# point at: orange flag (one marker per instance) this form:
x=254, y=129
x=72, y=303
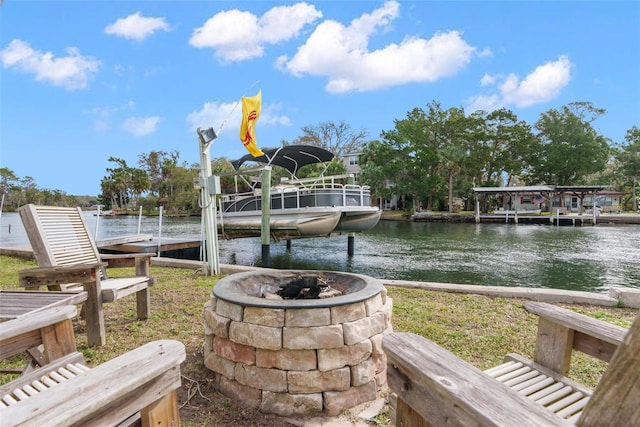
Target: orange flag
x=250, y=115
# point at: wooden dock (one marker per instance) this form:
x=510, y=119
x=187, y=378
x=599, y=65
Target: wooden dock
x=562, y=220
x=167, y=247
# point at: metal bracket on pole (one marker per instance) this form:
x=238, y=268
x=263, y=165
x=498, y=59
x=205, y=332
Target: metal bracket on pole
x=208, y=197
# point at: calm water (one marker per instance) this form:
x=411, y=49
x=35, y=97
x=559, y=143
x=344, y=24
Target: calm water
x=581, y=258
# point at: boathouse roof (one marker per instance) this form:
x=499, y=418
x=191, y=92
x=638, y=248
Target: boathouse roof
x=542, y=189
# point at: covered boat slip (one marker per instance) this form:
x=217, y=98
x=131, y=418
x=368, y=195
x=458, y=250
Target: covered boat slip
x=527, y=202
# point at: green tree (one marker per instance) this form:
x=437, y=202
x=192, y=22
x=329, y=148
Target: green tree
x=158, y=165
x=629, y=159
x=406, y=160
x=140, y=183
x=568, y=147
x=8, y=187
x=504, y=145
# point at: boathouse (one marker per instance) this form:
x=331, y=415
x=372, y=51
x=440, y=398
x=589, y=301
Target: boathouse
x=546, y=198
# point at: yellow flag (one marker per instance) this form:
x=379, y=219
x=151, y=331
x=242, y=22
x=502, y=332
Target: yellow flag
x=250, y=115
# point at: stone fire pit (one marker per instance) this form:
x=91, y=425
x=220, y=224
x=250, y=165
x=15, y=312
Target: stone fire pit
x=297, y=356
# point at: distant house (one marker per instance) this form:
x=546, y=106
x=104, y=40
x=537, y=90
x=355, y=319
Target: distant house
x=352, y=163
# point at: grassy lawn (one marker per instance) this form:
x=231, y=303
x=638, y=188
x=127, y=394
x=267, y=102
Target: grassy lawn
x=478, y=329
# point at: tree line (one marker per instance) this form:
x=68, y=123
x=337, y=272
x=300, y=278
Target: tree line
x=433, y=155
x=430, y=158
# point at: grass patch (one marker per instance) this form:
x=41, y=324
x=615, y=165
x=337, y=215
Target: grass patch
x=479, y=329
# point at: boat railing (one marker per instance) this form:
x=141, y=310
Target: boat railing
x=293, y=197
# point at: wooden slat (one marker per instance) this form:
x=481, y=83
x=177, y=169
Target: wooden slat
x=25, y=380
x=109, y=392
x=521, y=375
x=17, y=303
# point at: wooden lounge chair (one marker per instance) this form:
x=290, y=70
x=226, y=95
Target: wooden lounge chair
x=68, y=259
x=435, y=387
x=138, y=387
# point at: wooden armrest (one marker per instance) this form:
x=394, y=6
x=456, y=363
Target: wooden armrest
x=44, y=276
x=51, y=327
x=40, y=319
x=107, y=393
x=599, y=329
x=560, y=331
x=445, y=390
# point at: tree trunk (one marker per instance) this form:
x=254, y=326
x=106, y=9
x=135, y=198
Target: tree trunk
x=450, y=190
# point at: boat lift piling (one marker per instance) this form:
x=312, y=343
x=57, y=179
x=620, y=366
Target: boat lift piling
x=351, y=237
x=265, y=229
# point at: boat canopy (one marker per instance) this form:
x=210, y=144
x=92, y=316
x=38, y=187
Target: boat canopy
x=290, y=157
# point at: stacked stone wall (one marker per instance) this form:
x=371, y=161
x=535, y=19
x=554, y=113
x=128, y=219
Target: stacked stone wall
x=298, y=361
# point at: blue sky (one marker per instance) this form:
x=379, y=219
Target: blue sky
x=82, y=81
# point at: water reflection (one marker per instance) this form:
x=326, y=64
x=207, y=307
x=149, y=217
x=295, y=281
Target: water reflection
x=581, y=258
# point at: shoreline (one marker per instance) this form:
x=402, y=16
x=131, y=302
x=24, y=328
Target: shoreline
x=616, y=296
x=469, y=217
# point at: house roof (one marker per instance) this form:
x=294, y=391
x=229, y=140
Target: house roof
x=290, y=157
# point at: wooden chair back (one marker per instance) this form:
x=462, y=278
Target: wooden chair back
x=59, y=236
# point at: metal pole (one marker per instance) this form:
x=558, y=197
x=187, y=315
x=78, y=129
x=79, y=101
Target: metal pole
x=160, y=231
x=139, y=219
x=208, y=204
x=477, y=210
x=265, y=229
x=351, y=238
x=95, y=231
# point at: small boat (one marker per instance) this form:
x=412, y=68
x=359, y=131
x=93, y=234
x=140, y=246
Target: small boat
x=308, y=207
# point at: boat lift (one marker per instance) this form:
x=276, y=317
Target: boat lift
x=209, y=188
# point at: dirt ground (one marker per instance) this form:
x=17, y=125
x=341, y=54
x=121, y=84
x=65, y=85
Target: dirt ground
x=202, y=405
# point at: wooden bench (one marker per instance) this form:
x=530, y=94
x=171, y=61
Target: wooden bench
x=68, y=260
x=435, y=387
x=137, y=387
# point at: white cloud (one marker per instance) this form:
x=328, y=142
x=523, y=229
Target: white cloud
x=141, y=126
x=214, y=114
x=341, y=54
x=70, y=72
x=488, y=80
x=485, y=53
x=235, y=35
x=543, y=84
x=136, y=27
